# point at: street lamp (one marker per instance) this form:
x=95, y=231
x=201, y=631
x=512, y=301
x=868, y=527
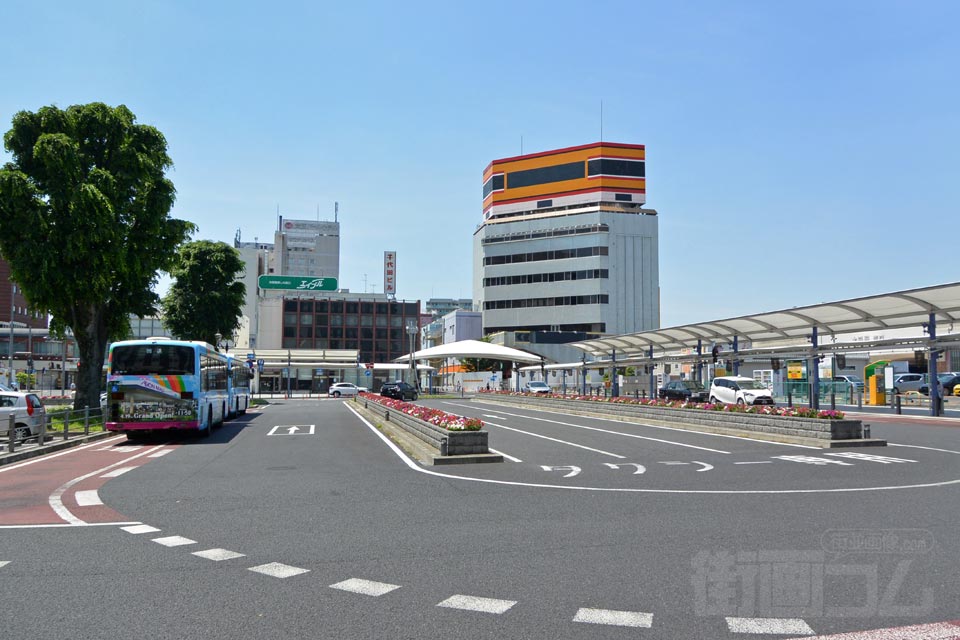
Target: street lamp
x=412, y=331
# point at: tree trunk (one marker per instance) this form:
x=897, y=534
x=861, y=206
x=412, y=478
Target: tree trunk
x=91, y=336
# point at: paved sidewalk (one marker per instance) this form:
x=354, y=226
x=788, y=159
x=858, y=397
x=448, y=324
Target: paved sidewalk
x=53, y=443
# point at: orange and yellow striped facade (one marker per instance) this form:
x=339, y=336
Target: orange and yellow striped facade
x=598, y=172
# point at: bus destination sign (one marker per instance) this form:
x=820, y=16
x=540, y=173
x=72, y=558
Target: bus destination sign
x=297, y=283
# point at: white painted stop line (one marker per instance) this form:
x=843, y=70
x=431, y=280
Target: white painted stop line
x=88, y=498
x=474, y=603
x=365, y=587
x=769, y=625
x=616, y=618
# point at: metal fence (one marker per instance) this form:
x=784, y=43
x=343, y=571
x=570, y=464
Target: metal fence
x=55, y=425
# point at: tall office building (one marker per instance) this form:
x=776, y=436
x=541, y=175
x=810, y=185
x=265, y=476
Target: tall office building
x=566, y=244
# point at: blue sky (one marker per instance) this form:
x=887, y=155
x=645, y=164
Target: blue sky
x=796, y=152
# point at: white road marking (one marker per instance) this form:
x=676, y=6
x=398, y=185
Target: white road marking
x=638, y=468
x=63, y=525
x=218, y=554
x=539, y=485
x=56, y=498
x=616, y=618
x=501, y=453
x=673, y=463
x=706, y=467
x=174, y=541
x=657, y=426
x=118, y=472
x=762, y=462
x=474, y=603
x=365, y=587
x=292, y=430
x=121, y=449
x=572, y=444
x=487, y=415
x=769, y=625
x=616, y=433
x=4, y=563
x=916, y=446
x=277, y=570
x=51, y=456
x=933, y=631
x=88, y=498
x=140, y=528
x=160, y=453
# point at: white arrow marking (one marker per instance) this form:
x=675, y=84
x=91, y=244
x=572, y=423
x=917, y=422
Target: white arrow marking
x=640, y=467
x=706, y=467
x=673, y=463
x=572, y=469
x=292, y=430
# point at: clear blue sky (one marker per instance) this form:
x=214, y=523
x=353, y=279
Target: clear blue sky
x=796, y=152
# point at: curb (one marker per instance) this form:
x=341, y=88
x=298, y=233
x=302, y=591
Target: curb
x=59, y=445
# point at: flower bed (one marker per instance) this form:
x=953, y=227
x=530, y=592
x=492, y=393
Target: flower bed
x=765, y=410
x=442, y=419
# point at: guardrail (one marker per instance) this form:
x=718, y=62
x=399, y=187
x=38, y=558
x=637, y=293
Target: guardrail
x=72, y=422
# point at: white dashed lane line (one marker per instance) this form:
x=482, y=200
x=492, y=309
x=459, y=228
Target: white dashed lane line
x=474, y=603
x=160, y=453
x=4, y=563
x=140, y=528
x=365, y=587
x=120, y=471
x=615, y=618
x=278, y=570
x=782, y=626
x=88, y=498
x=174, y=541
x=218, y=554
x=510, y=458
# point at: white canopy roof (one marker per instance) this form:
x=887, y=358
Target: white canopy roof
x=473, y=349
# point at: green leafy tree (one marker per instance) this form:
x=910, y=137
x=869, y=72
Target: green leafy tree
x=206, y=297
x=85, y=225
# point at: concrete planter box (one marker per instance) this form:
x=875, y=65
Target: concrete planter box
x=776, y=427
x=447, y=443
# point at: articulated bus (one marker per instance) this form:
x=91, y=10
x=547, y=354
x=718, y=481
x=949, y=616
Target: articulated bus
x=160, y=384
x=239, y=375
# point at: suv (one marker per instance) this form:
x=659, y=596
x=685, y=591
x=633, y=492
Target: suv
x=27, y=410
x=688, y=390
x=739, y=390
x=948, y=383
x=343, y=389
x=399, y=391
x=536, y=386
x=903, y=382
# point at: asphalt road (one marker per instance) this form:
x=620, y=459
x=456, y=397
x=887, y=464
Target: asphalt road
x=591, y=529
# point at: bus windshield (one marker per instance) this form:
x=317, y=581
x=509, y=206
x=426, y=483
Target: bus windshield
x=144, y=359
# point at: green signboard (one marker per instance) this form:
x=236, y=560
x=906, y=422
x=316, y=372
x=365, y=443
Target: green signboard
x=298, y=283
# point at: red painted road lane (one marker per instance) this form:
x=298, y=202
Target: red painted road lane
x=936, y=631
x=44, y=490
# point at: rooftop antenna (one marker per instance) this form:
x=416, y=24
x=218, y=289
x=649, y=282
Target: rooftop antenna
x=601, y=121
x=278, y=217
x=336, y=210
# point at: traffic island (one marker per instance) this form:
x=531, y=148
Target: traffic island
x=429, y=443
x=825, y=432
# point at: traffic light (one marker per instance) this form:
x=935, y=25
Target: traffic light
x=715, y=352
x=841, y=362
x=775, y=364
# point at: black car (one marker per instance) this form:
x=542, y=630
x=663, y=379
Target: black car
x=690, y=390
x=947, y=381
x=399, y=391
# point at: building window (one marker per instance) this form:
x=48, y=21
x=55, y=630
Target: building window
x=545, y=175
x=615, y=167
x=558, y=301
x=538, y=256
x=493, y=183
x=623, y=197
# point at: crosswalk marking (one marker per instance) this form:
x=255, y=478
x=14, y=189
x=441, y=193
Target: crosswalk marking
x=140, y=528
x=366, y=587
x=278, y=570
x=474, y=603
x=88, y=498
x=615, y=618
x=121, y=449
x=769, y=625
x=218, y=554
x=174, y=541
x=117, y=472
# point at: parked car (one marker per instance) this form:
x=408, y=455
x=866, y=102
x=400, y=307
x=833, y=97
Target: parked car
x=338, y=389
x=904, y=382
x=399, y=391
x=27, y=410
x=689, y=390
x=4, y=387
x=739, y=390
x=852, y=380
x=536, y=386
x=948, y=383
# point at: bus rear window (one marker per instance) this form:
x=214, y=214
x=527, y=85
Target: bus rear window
x=145, y=359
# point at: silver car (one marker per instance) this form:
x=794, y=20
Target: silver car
x=345, y=389
x=27, y=410
x=904, y=382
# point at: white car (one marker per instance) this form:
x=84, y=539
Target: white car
x=904, y=382
x=28, y=413
x=344, y=389
x=536, y=386
x=739, y=390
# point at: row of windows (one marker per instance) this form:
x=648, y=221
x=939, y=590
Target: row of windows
x=384, y=351
x=558, y=276
x=537, y=256
x=342, y=306
x=322, y=319
x=567, y=171
x=213, y=372
x=493, y=183
x=559, y=301
x=548, y=233
x=341, y=332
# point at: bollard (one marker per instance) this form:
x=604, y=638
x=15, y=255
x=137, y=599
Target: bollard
x=66, y=424
x=636, y=394
x=866, y=431
x=86, y=421
x=897, y=406
x=444, y=446
x=386, y=415
x=833, y=400
x=11, y=436
x=790, y=397
x=42, y=438
x=859, y=399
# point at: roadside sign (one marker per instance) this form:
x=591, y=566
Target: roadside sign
x=369, y=365
x=251, y=356
x=367, y=372
x=299, y=283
